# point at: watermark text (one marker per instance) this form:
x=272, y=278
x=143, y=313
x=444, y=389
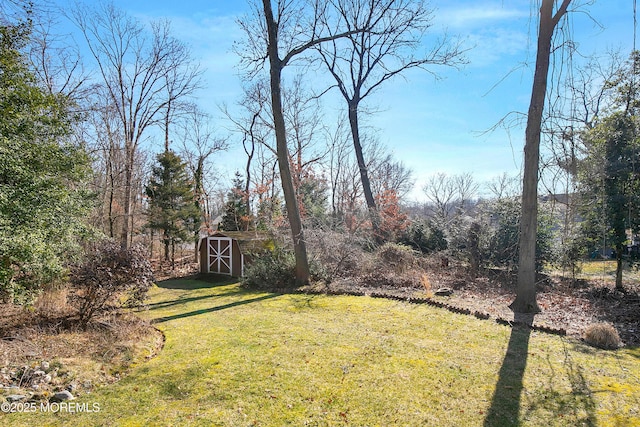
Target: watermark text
x=53, y=407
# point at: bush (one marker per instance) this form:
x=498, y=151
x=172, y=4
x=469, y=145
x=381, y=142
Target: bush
x=502, y=236
x=337, y=254
x=272, y=270
x=424, y=236
x=395, y=257
x=603, y=336
x=110, y=277
x=276, y=271
x=393, y=266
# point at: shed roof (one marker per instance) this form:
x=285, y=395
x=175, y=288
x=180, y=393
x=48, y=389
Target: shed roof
x=249, y=241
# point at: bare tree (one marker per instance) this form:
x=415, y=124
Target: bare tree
x=525, y=301
x=441, y=192
x=386, y=173
x=290, y=33
x=363, y=61
x=57, y=62
x=142, y=76
x=199, y=143
x=504, y=186
x=302, y=115
x=344, y=178
x=109, y=153
x=254, y=125
x=466, y=189
x=450, y=195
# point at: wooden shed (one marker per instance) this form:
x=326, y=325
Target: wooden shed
x=227, y=252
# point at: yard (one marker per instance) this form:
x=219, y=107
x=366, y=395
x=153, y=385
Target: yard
x=234, y=357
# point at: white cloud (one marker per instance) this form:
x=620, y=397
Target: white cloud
x=468, y=17
x=491, y=29
x=493, y=45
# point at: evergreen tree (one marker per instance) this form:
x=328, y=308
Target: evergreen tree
x=236, y=217
x=610, y=185
x=43, y=197
x=312, y=199
x=610, y=174
x=172, y=205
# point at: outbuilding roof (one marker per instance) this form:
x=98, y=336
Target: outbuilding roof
x=249, y=241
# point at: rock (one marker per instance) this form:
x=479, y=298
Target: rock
x=62, y=395
x=39, y=373
x=15, y=397
x=443, y=292
x=46, y=379
x=45, y=366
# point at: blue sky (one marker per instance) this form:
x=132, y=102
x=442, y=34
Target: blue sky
x=432, y=126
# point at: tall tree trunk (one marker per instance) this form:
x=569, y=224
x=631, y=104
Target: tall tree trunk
x=165, y=241
x=173, y=254
x=619, y=250
x=128, y=178
x=362, y=165
x=247, y=185
x=152, y=236
x=293, y=213
x=198, y=193
x=111, y=179
x=525, y=301
x=167, y=121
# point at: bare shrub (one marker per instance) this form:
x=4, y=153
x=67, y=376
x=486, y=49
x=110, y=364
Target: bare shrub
x=396, y=257
x=349, y=264
x=110, y=277
x=602, y=335
x=340, y=255
x=392, y=266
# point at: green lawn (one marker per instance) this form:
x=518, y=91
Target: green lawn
x=239, y=358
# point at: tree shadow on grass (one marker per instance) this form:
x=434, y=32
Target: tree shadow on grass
x=179, y=301
x=212, y=309
x=194, y=283
x=505, y=405
x=199, y=281
x=578, y=404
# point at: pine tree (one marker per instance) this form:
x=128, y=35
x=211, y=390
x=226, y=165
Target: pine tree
x=172, y=204
x=236, y=217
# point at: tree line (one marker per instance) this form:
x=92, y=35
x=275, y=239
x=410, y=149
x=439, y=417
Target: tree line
x=76, y=158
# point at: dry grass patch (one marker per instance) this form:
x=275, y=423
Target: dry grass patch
x=602, y=335
x=78, y=359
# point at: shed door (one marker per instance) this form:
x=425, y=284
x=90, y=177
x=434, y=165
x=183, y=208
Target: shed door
x=220, y=257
